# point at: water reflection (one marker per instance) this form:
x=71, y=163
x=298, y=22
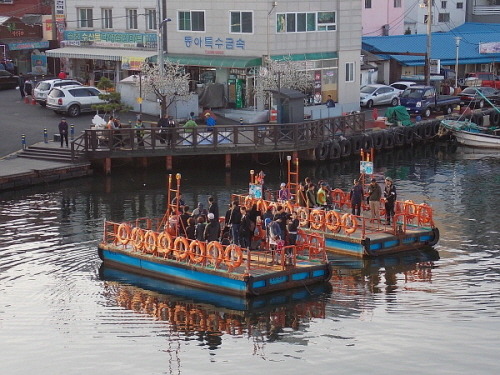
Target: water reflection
x=209, y=316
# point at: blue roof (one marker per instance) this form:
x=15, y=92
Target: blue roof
x=443, y=45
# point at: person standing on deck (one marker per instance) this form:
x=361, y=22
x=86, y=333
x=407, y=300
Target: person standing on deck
x=310, y=196
x=212, y=230
x=283, y=193
x=213, y=207
x=321, y=196
x=390, y=199
x=234, y=222
x=63, y=131
x=374, y=195
x=245, y=231
x=356, y=197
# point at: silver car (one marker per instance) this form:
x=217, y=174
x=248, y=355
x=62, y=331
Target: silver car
x=74, y=100
x=375, y=94
x=42, y=88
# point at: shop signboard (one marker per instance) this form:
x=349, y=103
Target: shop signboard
x=39, y=64
x=239, y=93
x=110, y=39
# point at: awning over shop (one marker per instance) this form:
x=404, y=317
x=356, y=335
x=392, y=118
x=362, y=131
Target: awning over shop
x=307, y=56
x=99, y=53
x=22, y=44
x=213, y=61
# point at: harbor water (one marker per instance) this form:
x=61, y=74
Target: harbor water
x=432, y=311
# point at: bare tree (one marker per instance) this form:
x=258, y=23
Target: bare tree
x=169, y=86
x=275, y=75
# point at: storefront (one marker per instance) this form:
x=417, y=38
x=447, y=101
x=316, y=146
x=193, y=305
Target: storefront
x=90, y=55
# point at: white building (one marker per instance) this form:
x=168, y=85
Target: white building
x=446, y=15
x=219, y=41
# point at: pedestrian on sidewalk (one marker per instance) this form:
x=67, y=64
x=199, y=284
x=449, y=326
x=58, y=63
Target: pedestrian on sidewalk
x=21, y=85
x=63, y=131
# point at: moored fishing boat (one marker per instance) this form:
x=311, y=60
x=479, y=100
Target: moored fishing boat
x=469, y=134
x=343, y=233
x=152, y=247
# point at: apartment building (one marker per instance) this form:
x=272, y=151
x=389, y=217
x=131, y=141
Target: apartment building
x=446, y=15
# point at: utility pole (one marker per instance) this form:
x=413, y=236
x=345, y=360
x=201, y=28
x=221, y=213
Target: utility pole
x=429, y=44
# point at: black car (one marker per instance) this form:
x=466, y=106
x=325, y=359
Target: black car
x=8, y=80
x=475, y=96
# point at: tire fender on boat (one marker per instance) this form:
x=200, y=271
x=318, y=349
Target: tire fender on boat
x=477, y=119
x=495, y=119
x=399, y=136
x=388, y=140
x=356, y=144
x=378, y=140
x=409, y=135
x=367, y=142
x=345, y=148
x=322, y=151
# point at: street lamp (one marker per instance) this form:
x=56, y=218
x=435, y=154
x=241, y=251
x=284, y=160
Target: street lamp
x=457, y=44
x=160, y=44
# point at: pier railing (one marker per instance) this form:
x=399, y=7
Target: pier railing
x=221, y=139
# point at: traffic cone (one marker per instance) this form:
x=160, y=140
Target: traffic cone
x=33, y=100
x=26, y=99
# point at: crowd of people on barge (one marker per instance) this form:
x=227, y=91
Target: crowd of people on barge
x=277, y=227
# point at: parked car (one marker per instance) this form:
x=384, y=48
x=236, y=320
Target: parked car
x=375, y=94
x=73, y=100
x=484, y=79
x=43, y=88
x=402, y=85
x=8, y=80
x=475, y=96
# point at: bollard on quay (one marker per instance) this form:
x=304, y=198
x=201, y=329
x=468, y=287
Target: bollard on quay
x=23, y=141
x=72, y=131
x=45, y=136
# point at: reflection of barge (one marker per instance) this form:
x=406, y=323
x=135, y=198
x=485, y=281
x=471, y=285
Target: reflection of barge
x=152, y=247
x=343, y=233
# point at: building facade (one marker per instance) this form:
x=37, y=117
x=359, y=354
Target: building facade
x=485, y=11
x=446, y=15
x=218, y=42
x=381, y=18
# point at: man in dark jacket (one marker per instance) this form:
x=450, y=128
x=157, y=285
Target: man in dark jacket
x=212, y=230
x=245, y=232
x=63, y=131
x=390, y=199
x=356, y=196
x=374, y=195
x=234, y=222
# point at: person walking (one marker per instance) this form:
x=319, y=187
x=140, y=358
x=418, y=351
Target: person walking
x=163, y=125
x=374, y=195
x=21, y=85
x=390, y=199
x=63, y=131
x=356, y=197
x=28, y=87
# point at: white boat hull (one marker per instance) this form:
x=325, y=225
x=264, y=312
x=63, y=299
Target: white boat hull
x=477, y=139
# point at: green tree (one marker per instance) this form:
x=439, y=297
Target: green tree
x=113, y=99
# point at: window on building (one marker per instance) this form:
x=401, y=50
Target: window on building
x=151, y=19
x=326, y=21
x=460, y=5
x=444, y=17
x=443, y=4
x=132, y=19
x=368, y=4
x=349, y=72
x=85, y=18
x=107, y=18
x=397, y=3
x=241, y=22
x=304, y=22
x=191, y=20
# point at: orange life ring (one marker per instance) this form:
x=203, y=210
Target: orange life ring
x=349, y=229
x=123, y=233
x=315, y=244
x=317, y=219
x=411, y=210
x=164, y=243
x=248, y=202
x=181, y=315
x=424, y=214
x=332, y=221
x=338, y=196
x=233, y=251
x=137, y=238
x=181, y=248
x=150, y=239
x=197, y=251
x=303, y=216
x=262, y=205
x=197, y=319
x=399, y=207
x=215, y=253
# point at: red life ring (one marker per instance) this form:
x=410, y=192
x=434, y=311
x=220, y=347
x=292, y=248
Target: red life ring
x=197, y=251
x=215, y=253
x=303, y=216
x=317, y=219
x=333, y=221
x=137, y=237
x=338, y=197
x=123, y=233
x=150, y=239
x=181, y=248
x=349, y=223
x=164, y=244
x=233, y=256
